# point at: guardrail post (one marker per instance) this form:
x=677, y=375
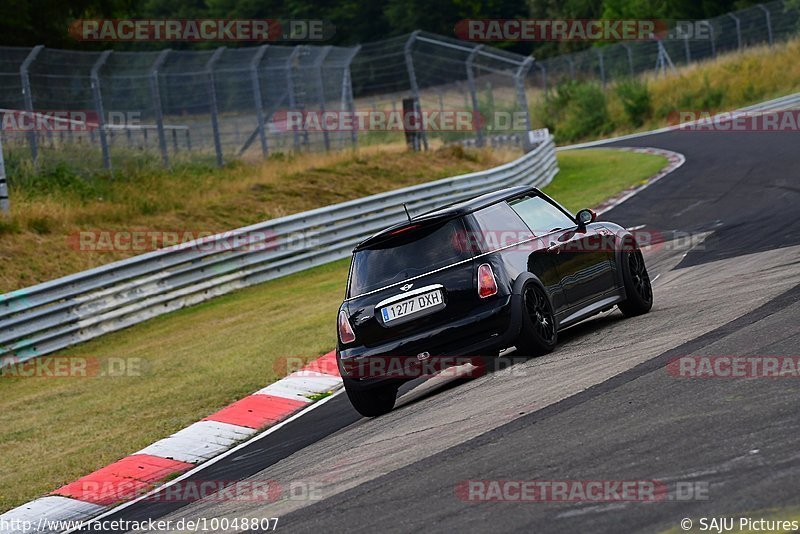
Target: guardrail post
x=155, y=93
x=259, y=103
x=769, y=21
x=412, y=80
x=476, y=119
x=347, y=94
x=321, y=88
x=98, y=107
x=290, y=89
x=28, y=97
x=602, y=65
x=212, y=93
x=522, y=98
x=738, y=30
x=4, y=201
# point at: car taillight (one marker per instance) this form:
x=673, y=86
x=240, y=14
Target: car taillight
x=487, y=285
x=346, y=334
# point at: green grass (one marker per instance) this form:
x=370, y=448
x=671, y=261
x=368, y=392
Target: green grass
x=588, y=177
x=202, y=358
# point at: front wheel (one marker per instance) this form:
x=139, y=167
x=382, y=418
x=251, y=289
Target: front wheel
x=371, y=401
x=539, y=334
x=638, y=291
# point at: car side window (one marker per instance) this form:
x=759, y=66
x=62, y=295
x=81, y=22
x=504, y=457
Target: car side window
x=541, y=216
x=498, y=226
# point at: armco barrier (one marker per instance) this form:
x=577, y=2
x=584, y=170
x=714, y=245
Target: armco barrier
x=53, y=315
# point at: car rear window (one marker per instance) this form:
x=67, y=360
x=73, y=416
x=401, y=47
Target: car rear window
x=407, y=254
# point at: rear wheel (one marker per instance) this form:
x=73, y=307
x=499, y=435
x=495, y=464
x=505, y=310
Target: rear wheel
x=638, y=291
x=538, y=335
x=372, y=401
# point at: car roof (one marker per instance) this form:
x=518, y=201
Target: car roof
x=449, y=211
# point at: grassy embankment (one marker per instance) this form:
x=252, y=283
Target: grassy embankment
x=50, y=206
x=582, y=111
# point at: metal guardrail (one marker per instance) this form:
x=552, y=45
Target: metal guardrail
x=53, y=315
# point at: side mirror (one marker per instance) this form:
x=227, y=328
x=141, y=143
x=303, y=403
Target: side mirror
x=585, y=217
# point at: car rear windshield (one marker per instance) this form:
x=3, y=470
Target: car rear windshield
x=408, y=253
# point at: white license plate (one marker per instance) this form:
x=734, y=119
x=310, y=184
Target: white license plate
x=426, y=302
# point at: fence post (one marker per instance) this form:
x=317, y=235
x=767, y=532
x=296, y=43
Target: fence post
x=543, y=70
x=738, y=30
x=97, y=96
x=412, y=80
x=28, y=97
x=4, y=202
x=474, y=95
x=522, y=98
x=663, y=60
x=571, y=67
x=290, y=89
x=259, y=103
x=212, y=93
x=321, y=88
x=155, y=92
x=769, y=21
x=629, y=53
x=602, y=65
x=713, y=41
x=347, y=94
x=686, y=48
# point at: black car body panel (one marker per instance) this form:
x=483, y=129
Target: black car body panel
x=577, y=265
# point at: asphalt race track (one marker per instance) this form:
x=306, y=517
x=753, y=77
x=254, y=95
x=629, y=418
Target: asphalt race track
x=601, y=407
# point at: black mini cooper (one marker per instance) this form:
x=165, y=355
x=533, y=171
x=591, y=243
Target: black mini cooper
x=509, y=268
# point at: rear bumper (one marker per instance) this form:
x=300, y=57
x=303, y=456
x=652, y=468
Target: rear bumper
x=455, y=343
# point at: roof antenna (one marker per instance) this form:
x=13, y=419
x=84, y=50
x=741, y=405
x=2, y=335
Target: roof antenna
x=407, y=214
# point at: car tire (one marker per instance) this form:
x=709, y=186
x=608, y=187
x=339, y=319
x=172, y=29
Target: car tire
x=371, y=401
x=638, y=290
x=538, y=334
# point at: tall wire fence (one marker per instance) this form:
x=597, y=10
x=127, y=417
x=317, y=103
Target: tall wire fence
x=758, y=25
x=94, y=110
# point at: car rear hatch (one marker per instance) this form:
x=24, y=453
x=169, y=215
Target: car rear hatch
x=412, y=279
